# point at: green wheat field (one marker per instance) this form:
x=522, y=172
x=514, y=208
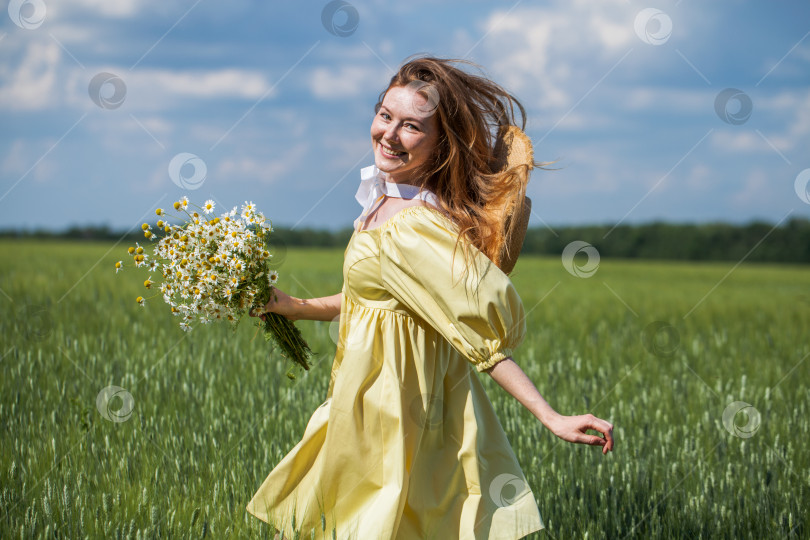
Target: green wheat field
x=703, y=369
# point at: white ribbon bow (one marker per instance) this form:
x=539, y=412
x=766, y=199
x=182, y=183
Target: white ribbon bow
x=374, y=188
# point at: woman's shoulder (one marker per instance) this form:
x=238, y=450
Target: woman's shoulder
x=425, y=233
x=421, y=231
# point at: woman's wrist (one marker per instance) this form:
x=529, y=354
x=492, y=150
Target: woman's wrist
x=512, y=379
x=297, y=309
x=548, y=417
x=541, y=410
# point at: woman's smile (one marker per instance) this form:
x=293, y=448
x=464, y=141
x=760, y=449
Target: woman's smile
x=390, y=152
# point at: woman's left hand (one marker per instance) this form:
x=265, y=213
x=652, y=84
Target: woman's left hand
x=573, y=428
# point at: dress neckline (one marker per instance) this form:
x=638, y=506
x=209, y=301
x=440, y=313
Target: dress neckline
x=402, y=212
x=375, y=186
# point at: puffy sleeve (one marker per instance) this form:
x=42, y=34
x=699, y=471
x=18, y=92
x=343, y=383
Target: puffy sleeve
x=478, y=310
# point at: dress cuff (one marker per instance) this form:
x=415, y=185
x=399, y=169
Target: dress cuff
x=503, y=354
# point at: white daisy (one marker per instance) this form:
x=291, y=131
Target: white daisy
x=247, y=210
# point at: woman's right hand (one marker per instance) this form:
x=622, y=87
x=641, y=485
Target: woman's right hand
x=281, y=303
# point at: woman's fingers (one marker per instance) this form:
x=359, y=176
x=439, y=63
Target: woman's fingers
x=573, y=429
x=603, y=427
x=281, y=303
x=272, y=305
x=608, y=433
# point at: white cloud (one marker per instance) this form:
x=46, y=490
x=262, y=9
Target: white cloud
x=346, y=150
x=699, y=178
x=346, y=81
x=157, y=126
x=15, y=163
x=535, y=51
x=795, y=107
x=94, y=8
x=25, y=158
x=267, y=171
x=221, y=83
x=41, y=81
x=786, y=116
x=32, y=85
x=151, y=90
x=119, y=8
x=738, y=141
x=668, y=100
x=759, y=189
x=584, y=170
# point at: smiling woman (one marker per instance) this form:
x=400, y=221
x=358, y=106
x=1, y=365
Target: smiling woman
x=407, y=444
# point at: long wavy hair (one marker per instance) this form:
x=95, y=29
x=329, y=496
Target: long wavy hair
x=465, y=173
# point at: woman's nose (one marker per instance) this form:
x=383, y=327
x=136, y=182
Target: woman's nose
x=392, y=133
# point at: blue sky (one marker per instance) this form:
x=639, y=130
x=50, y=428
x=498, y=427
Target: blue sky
x=277, y=106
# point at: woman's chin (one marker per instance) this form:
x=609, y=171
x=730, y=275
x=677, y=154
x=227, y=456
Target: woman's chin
x=388, y=165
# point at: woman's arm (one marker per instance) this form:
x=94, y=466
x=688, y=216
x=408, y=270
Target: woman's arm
x=569, y=428
x=312, y=309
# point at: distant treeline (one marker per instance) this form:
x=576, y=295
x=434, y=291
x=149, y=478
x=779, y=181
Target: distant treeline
x=758, y=241
x=761, y=242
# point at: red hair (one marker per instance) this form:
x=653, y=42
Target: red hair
x=465, y=173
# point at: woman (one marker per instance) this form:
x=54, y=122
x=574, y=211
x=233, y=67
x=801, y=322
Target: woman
x=407, y=444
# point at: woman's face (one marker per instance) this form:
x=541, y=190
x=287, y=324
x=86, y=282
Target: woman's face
x=404, y=133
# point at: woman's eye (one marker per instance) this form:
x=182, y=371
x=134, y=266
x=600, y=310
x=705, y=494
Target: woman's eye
x=411, y=126
x=384, y=116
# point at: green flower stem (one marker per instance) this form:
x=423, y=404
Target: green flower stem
x=288, y=337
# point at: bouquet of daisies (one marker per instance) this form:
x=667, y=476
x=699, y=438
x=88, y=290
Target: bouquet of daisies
x=216, y=268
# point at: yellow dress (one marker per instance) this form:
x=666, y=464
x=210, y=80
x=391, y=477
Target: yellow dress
x=407, y=444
